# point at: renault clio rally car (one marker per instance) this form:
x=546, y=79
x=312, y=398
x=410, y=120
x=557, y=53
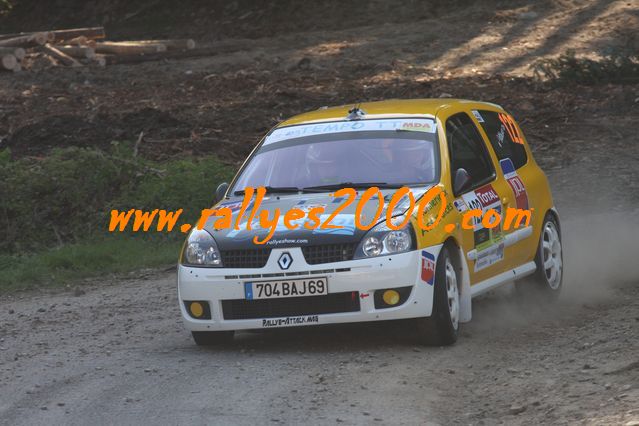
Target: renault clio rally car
x=474, y=151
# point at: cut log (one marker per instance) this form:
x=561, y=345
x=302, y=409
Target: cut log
x=18, y=67
x=128, y=48
x=77, y=41
x=14, y=35
x=99, y=60
x=218, y=48
x=18, y=52
x=35, y=39
x=176, y=44
x=81, y=41
x=8, y=62
x=94, y=33
x=60, y=56
x=77, y=51
x=49, y=35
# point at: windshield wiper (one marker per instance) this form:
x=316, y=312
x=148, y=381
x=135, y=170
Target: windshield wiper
x=274, y=189
x=355, y=185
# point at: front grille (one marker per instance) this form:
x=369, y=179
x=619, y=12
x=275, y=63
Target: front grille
x=253, y=258
x=328, y=253
x=291, y=306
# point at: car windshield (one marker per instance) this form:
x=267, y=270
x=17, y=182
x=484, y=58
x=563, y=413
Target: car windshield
x=388, y=157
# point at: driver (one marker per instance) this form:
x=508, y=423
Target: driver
x=322, y=165
x=410, y=160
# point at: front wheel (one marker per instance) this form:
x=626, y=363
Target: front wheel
x=211, y=338
x=547, y=281
x=442, y=326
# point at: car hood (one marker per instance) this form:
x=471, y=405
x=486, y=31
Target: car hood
x=229, y=239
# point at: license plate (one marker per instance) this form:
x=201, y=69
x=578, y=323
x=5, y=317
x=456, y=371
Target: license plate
x=286, y=288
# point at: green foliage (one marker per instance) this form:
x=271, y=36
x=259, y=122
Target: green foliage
x=109, y=254
x=5, y=7
x=67, y=197
x=617, y=66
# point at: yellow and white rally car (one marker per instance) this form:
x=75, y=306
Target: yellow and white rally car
x=474, y=151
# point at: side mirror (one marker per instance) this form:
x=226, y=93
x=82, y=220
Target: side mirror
x=462, y=181
x=221, y=191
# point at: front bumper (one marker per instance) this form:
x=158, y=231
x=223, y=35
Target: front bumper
x=363, y=276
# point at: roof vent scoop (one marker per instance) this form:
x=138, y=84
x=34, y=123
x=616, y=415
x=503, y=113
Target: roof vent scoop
x=356, y=114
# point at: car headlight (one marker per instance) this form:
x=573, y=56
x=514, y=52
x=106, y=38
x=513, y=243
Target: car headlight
x=381, y=240
x=201, y=250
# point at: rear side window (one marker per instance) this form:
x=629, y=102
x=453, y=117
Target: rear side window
x=504, y=136
x=467, y=150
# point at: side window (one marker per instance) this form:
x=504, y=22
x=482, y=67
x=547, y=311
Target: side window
x=467, y=150
x=504, y=136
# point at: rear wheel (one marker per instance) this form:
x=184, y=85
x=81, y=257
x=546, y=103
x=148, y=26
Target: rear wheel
x=212, y=338
x=547, y=281
x=442, y=326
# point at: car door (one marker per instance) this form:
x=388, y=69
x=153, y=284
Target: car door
x=483, y=247
x=507, y=143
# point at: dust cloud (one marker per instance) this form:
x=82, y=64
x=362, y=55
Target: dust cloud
x=601, y=252
x=600, y=255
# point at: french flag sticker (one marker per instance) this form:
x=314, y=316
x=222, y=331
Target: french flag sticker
x=428, y=267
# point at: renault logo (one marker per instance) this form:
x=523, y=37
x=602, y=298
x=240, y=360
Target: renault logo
x=285, y=260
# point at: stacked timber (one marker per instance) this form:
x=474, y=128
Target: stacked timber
x=78, y=47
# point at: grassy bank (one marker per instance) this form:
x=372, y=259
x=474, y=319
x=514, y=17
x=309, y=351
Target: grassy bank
x=72, y=262
x=55, y=211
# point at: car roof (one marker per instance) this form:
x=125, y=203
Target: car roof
x=384, y=109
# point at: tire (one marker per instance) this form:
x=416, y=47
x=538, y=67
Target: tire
x=212, y=338
x=546, y=283
x=441, y=328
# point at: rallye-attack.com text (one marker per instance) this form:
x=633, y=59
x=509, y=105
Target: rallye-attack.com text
x=310, y=219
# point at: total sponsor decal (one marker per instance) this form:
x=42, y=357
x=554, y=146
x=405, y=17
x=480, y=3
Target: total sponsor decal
x=489, y=243
x=428, y=267
x=515, y=182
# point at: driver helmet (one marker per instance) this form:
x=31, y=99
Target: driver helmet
x=321, y=161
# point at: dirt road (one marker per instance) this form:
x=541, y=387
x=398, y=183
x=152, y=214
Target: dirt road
x=115, y=352
x=118, y=354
